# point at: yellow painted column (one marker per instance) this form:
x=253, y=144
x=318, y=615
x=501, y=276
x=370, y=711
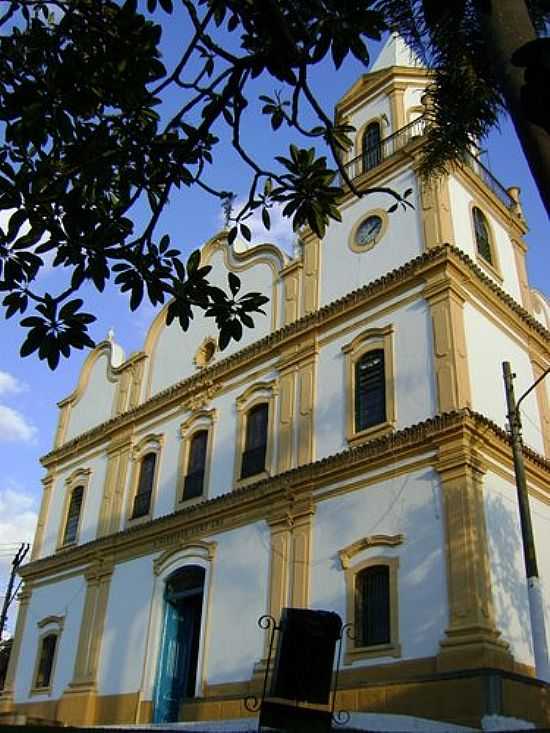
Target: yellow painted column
x=472, y=639
x=47, y=482
x=397, y=106
x=307, y=388
x=449, y=343
x=435, y=211
x=301, y=560
x=291, y=276
x=311, y=272
x=287, y=397
x=542, y=403
x=520, y=250
x=78, y=703
x=7, y=693
x=118, y=458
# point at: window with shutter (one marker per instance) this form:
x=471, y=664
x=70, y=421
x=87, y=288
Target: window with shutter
x=370, y=390
x=482, y=235
x=372, y=151
x=254, y=454
x=73, y=515
x=142, y=499
x=372, y=606
x=196, y=464
x=45, y=663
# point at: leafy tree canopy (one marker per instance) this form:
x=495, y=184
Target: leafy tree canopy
x=86, y=140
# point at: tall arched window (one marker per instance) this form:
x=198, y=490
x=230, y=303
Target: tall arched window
x=256, y=440
x=142, y=498
x=372, y=151
x=196, y=465
x=370, y=390
x=482, y=235
x=73, y=515
x=372, y=606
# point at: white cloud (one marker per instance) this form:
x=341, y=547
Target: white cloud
x=14, y=426
x=18, y=518
x=280, y=232
x=10, y=384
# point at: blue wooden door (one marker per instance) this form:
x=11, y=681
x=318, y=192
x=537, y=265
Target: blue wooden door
x=177, y=669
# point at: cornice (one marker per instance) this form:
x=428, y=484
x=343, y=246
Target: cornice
x=402, y=278
x=288, y=490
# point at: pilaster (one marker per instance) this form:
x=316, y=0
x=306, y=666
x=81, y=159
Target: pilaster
x=287, y=403
x=397, y=106
x=307, y=388
x=7, y=693
x=472, y=639
x=77, y=706
x=291, y=276
x=449, y=342
x=118, y=458
x=47, y=482
x=435, y=211
x=311, y=272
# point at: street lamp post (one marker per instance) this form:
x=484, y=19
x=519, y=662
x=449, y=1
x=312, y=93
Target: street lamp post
x=534, y=586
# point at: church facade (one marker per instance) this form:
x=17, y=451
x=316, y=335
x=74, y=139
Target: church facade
x=349, y=454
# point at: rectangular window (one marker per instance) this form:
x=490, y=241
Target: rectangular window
x=370, y=390
x=372, y=598
x=73, y=515
x=256, y=441
x=194, y=480
x=45, y=663
x=142, y=499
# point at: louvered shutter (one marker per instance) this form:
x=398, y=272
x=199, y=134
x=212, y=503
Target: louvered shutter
x=256, y=441
x=375, y=605
x=194, y=480
x=73, y=515
x=370, y=390
x=142, y=499
x=482, y=235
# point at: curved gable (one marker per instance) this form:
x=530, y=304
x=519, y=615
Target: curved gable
x=174, y=354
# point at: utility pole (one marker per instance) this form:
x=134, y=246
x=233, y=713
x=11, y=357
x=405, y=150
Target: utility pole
x=16, y=562
x=534, y=586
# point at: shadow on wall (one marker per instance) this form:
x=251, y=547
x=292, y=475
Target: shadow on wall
x=509, y=583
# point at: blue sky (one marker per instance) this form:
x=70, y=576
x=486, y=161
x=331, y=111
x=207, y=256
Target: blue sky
x=29, y=391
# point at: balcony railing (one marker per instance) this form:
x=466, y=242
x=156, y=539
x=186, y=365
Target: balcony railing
x=389, y=146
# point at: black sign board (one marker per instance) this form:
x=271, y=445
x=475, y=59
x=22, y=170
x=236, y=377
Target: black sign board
x=305, y=655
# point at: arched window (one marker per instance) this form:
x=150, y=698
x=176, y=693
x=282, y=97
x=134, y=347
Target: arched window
x=482, y=235
x=372, y=606
x=196, y=465
x=45, y=661
x=73, y=515
x=142, y=498
x=372, y=151
x=370, y=390
x=255, y=447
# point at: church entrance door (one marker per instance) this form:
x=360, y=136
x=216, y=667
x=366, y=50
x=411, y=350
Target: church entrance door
x=179, y=650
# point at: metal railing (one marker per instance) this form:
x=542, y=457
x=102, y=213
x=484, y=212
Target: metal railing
x=389, y=146
x=372, y=157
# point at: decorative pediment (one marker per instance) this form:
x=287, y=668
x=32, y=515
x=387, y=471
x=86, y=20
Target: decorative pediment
x=184, y=551
x=373, y=540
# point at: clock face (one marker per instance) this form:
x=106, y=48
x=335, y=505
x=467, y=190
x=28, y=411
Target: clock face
x=368, y=231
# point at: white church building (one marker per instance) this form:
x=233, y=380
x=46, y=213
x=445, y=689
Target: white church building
x=349, y=454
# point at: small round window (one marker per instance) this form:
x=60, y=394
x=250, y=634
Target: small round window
x=368, y=232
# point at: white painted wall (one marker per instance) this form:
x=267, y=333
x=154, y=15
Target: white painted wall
x=63, y=598
x=415, y=396
x=461, y=199
x=126, y=625
x=507, y=566
x=238, y=599
x=172, y=358
x=96, y=403
x=409, y=504
x=90, y=507
x=488, y=346
x=342, y=269
x=412, y=98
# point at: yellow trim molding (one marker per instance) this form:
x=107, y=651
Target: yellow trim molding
x=151, y=443
x=198, y=421
x=373, y=540
x=50, y=626
x=256, y=394
x=80, y=477
x=361, y=249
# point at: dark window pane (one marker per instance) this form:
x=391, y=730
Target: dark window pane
x=256, y=441
x=185, y=580
x=483, y=239
x=73, y=515
x=142, y=499
x=370, y=390
x=45, y=664
x=372, y=150
x=194, y=479
x=372, y=604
